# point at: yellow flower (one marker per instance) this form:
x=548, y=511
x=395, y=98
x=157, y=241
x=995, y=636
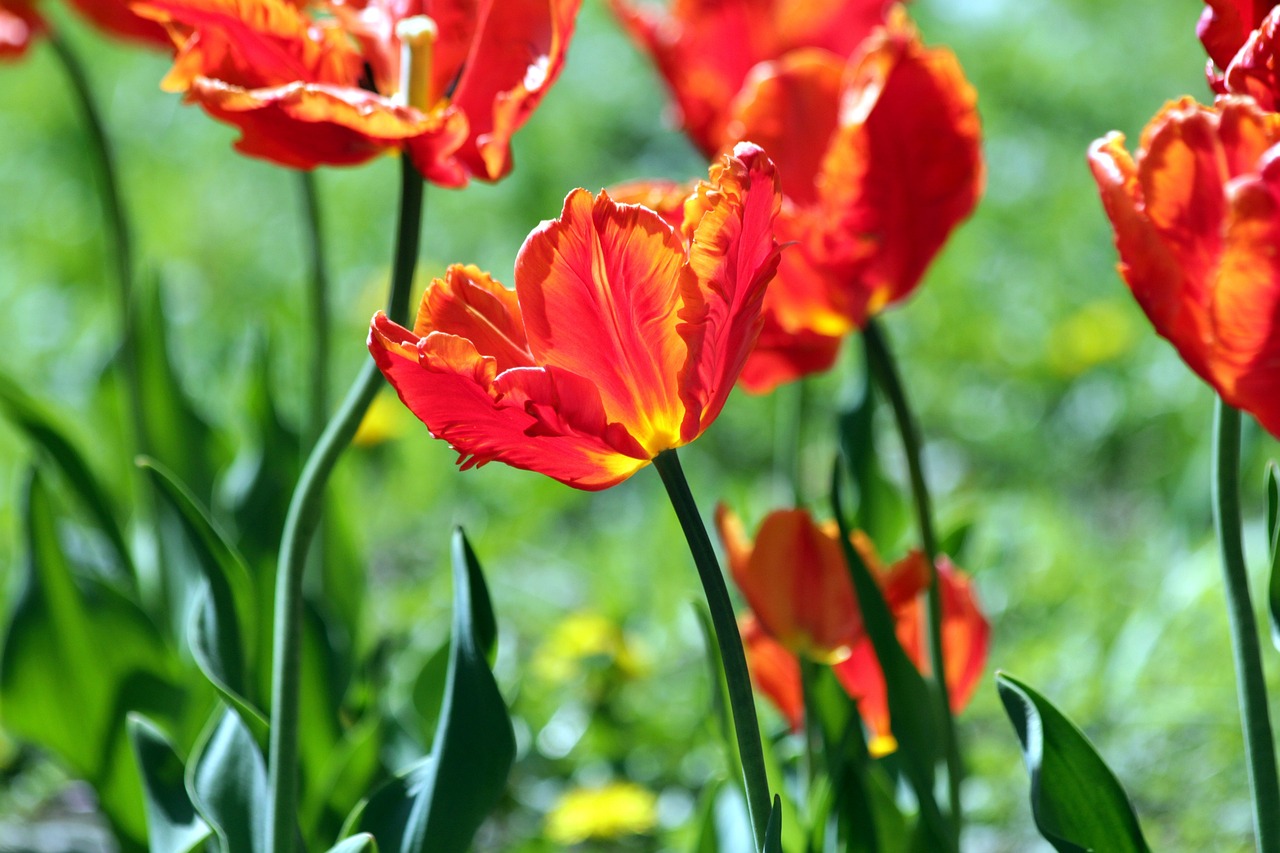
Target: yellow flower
x=611, y=811
x=578, y=638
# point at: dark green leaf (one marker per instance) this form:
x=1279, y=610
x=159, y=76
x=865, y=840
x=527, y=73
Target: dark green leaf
x=773, y=831
x=227, y=782
x=1077, y=801
x=910, y=701
x=77, y=656
x=40, y=428
x=223, y=620
x=1273, y=540
x=882, y=512
x=438, y=804
x=172, y=823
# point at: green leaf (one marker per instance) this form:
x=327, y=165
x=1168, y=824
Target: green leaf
x=910, y=702
x=172, y=823
x=26, y=414
x=223, y=620
x=438, y=804
x=773, y=830
x=882, y=512
x=1077, y=801
x=356, y=844
x=1273, y=541
x=227, y=782
x=77, y=656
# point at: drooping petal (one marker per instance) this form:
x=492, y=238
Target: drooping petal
x=781, y=356
x=775, y=671
x=732, y=257
x=20, y=24
x=516, y=54
x=304, y=126
x=863, y=679
x=904, y=169
x=546, y=421
x=599, y=289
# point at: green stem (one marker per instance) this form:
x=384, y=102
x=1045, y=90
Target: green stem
x=880, y=363
x=317, y=310
x=116, y=225
x=300, y=524
x=1251, y=688
x=741, y=702
x=789, y=405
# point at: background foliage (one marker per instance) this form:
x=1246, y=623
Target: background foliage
x=1072, y=440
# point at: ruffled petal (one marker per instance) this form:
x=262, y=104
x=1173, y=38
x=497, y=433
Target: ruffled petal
x=468, y=303
x=598, y=290
x=526, y=417
x=1225, y=25
x=732, y=257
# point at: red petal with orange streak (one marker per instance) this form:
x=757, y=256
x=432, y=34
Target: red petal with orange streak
x=665, y=198
x=525, y=417
x=598, y=289
x=516, y=54
x=304, y=126
x=861, y=677
x=732, y=257
x=796, y=581
x=468, y=303
x=906, y=165
x=20, y=24
x=1225, y=25
x=775, y=671
x=780, y=356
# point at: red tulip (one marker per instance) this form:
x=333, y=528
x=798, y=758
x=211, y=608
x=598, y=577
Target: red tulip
x=20, y=24
x=1196, y=214
x=294, y=83
x=623, y=337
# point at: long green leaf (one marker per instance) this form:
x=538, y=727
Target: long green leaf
x=882, y=512
x=77, y=656
x=440, y=802
x=356, y=844
x=910, y=702
x=1077, y=801
x=39, y=426
x=227, y=782
x=223, y=621
x=172, y=823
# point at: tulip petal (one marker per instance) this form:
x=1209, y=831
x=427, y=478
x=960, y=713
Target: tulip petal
x=20, y=24
x=732, y=257
x=525, y=417
x=775, y=671
x=468, y=303
x=598, y=289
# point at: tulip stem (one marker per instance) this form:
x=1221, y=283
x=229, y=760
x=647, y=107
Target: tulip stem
x=1251, y=689
x=741, y=702
x=880, y=363
x=116, y=227
x=317, y=310
x=300, y=524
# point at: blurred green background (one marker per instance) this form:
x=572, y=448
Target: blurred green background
x=1059, y=426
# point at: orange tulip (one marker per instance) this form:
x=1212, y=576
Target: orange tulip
x=1196, y=214
x=706, y=48
x=879, y=156
x=797, y=583
x=450, y=89
x=623, y=337
x=20, y=24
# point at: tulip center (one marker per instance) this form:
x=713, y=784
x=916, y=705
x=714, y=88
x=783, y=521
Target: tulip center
x=417, y=36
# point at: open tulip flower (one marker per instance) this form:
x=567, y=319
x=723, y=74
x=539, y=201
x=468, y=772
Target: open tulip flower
x=622, y=339
x=1196, y=214
x=795, y=578
x=20, y=24
x=449, y=88
x=879, y=156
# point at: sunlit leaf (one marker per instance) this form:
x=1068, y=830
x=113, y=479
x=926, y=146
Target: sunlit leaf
x=227, y=781
x=1077, y=802
x=438, y=804
x=172, y=823
x=356, y=844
